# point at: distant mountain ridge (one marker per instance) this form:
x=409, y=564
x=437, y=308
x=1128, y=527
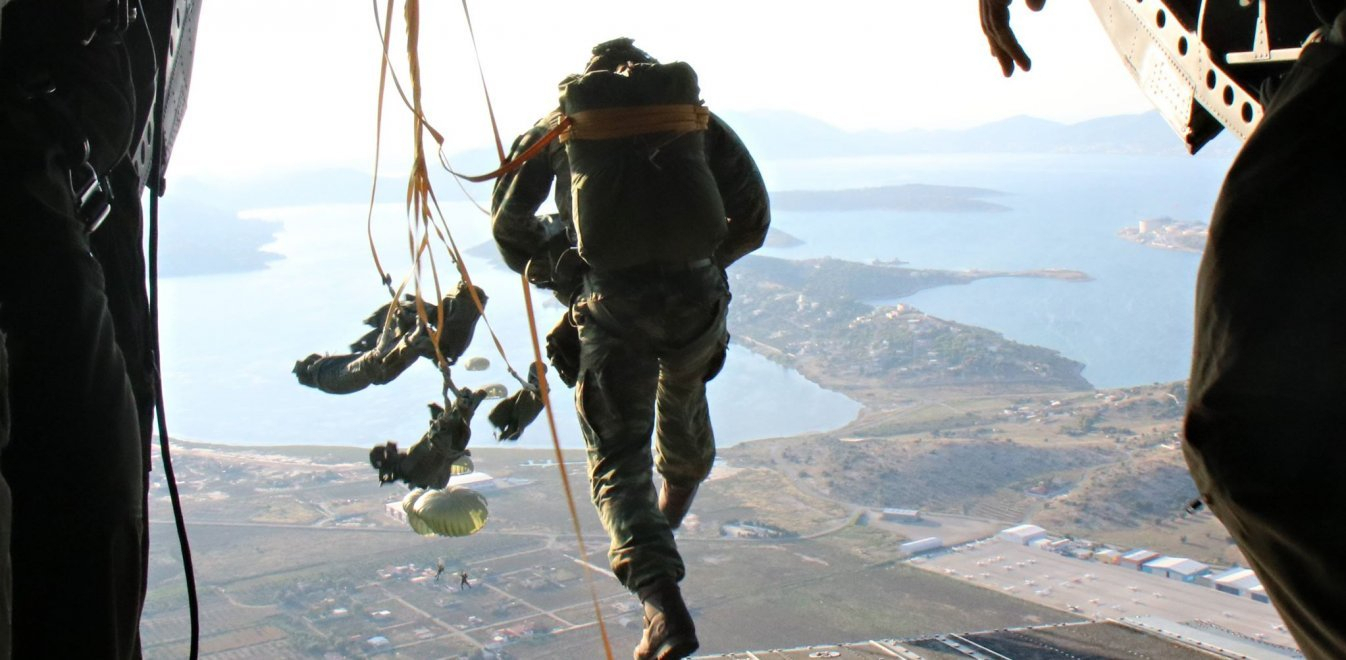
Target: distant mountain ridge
x=785, y=134
x=769, y=134
x=906, y=197
x=772, y=134
x=230, y=245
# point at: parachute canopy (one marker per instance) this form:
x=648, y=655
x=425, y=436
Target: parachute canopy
x=477, y=364
x=496, y=391
x=463, y=465
x=452, y=511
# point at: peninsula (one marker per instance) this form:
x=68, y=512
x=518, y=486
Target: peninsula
x=811, y=315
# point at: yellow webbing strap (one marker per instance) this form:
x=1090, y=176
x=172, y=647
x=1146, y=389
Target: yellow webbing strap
x=607, y=124
x=519, y=160
x=543, y=390
x=613, y=123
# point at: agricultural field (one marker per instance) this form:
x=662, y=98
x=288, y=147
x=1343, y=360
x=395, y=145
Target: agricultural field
x=336, y=574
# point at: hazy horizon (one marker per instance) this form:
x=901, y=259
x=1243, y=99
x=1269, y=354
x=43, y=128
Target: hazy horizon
x=303, y=91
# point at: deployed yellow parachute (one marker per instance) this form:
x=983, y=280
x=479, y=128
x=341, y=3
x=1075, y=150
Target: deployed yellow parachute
x=452, y=511
x=463, y=465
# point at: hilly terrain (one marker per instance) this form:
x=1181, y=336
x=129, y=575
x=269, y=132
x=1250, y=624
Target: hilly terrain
x=958, y=419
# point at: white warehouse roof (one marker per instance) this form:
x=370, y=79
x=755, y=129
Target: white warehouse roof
x=1140, y=555
x=1023, y=531
x=471, y=478
x=1242, y=579
x=1179, y=565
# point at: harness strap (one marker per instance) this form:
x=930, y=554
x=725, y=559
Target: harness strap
x=537, y=351
x=607, y=124
x=613, y=123
x=509, y=166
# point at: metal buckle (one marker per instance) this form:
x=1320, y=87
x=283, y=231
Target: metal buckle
x=92, y=194
x=120, y=15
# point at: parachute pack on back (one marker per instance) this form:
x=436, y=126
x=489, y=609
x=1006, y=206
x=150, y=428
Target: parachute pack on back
x=641, y=187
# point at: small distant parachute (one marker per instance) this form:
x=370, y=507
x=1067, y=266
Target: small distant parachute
x=452, y=511
x=496, y=391
x=477, y=364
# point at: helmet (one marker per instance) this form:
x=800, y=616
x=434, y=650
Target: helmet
x=611, y=54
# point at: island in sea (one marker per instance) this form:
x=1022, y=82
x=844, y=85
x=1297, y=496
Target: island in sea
x=1166, y=233
x=211, y=238
x=911, y=197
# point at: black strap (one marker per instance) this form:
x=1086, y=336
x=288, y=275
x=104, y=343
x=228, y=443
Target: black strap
x=156, y=191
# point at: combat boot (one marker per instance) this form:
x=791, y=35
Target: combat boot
x=675, y=501
x=669, y=631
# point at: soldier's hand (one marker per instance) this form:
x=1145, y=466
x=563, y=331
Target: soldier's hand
x=995, y=19
x=563, y=349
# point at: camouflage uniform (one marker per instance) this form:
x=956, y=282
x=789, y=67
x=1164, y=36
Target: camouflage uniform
x=650, y=338
x=1266, y=441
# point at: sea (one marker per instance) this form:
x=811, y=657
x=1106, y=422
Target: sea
x=230, y=340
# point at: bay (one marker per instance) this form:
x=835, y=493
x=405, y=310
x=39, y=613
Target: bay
x=231, y=340
x=1130, y=325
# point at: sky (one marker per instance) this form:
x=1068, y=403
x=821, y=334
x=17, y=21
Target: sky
x=288, y=85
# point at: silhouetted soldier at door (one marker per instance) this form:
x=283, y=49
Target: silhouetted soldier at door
x=659, y=197
x=1265, y=431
